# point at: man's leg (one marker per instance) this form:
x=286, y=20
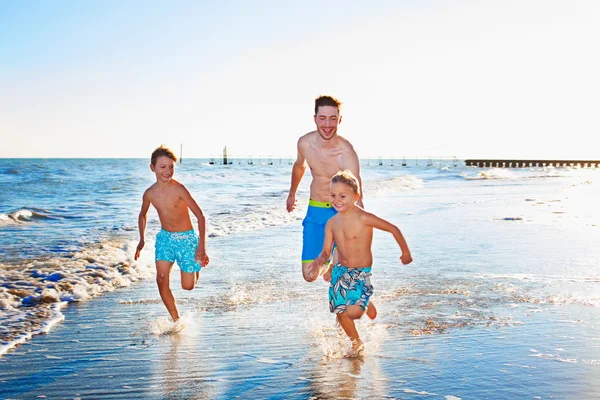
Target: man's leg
x=163, y=271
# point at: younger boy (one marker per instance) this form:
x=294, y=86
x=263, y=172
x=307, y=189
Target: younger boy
x=351, y=229
x=176, y=240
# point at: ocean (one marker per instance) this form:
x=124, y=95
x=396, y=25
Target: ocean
x=502, y=300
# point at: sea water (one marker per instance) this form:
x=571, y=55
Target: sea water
x=504, y=259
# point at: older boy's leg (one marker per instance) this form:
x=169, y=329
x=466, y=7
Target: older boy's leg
x=163, y=270
x=189, y=279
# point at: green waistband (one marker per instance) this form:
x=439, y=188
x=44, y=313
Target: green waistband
x=320, y=204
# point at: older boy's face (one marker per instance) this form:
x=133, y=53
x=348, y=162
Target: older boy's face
x=327, y=119
x=164, y=169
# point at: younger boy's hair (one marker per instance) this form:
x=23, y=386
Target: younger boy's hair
x=347, y=177
x=327, y=101
x=162, y=151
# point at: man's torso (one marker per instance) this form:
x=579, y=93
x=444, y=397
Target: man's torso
x=324, y=163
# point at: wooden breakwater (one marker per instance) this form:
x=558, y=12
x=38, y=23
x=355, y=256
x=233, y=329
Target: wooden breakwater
x=531, y=163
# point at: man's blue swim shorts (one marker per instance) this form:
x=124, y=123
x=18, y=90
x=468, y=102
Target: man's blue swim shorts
x=349, y=286
x=313, y=234
x=178, y=247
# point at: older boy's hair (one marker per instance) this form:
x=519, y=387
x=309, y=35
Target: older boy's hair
x=347, y=177
x=327, y=101
x=162, y=151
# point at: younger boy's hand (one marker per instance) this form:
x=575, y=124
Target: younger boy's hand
x=406, y=259
x=201, y=257
x=327, y=275
x=140, y=246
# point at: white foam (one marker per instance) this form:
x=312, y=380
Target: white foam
x=186, y=326
x=32, y=292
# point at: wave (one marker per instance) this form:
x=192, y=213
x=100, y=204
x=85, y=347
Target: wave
x=23, y=215
x=515, y=174
x=32, y=293
x=395, y=184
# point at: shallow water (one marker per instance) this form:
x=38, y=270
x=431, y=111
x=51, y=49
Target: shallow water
x=502, y=301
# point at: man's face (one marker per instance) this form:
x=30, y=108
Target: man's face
x=327, y=120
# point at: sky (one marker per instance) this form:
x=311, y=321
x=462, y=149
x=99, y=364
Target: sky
x=420, y=78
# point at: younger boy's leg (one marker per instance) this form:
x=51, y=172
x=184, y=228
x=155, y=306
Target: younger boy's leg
x=371, y=310
x=346, y=320
x=163, y=271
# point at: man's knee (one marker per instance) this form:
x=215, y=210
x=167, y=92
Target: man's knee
x=309, y=274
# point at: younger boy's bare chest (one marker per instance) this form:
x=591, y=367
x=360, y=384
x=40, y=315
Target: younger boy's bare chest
x=352, y=230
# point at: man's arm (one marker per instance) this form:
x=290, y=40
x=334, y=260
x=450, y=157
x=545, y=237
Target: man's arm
x=142, y=223
x=298, y=171
x=382, y=224
x=197, y=211
x=354, y=166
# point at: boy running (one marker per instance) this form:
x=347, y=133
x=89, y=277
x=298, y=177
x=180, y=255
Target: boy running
x=351, y=229
x=176, y=241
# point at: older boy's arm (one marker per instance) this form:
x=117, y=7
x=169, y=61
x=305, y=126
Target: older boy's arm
x=142, y=224
x=298, y=171
x=197, y=211
x=384, y=225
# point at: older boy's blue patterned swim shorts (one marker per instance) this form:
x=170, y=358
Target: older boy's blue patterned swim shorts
x=349, y=286
x=178, y=247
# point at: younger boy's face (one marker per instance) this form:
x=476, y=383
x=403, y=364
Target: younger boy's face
x=343, y=197
x=164, y=169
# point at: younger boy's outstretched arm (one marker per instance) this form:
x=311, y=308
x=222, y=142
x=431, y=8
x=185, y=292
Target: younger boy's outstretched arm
x=142, y=223
x=384, y=225
x=201, y=256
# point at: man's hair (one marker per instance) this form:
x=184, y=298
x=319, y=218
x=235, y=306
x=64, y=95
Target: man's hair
x=162, y=151
x=327, y=101
x=347, y=177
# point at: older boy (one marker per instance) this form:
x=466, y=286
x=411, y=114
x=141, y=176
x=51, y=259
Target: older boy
x=176, y=240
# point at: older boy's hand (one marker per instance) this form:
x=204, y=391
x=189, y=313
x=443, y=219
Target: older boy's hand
x=201, y=257
x=406, y=259
x=140, y=246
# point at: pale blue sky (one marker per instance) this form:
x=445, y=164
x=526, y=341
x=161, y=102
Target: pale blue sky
x=417, y=78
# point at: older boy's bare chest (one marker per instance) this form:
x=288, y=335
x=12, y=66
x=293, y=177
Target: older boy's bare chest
x=166, y=201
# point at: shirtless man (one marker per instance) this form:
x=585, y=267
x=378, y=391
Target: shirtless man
x=326, y=153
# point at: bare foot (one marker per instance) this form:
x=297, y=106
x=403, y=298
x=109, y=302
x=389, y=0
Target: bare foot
x=371, y=311
x=356, y=350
